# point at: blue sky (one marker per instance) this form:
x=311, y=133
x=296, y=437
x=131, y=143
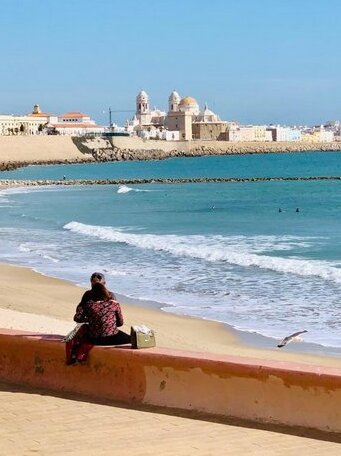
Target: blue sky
x=252, y=61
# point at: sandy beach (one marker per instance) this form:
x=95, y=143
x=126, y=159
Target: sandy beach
x=33, y=302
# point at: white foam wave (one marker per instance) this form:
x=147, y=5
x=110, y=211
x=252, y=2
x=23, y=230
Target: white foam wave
x=32, y=189
x=48, y=257
x=26, y=248
x=16, y=190
x=116, y=273
x=210, y=249
x=126, y=189
x=3, y=197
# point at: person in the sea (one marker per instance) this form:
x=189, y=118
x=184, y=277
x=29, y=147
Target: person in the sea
x=103, y=315
x=96, y=277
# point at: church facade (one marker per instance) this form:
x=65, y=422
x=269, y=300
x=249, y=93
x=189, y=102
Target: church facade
x=184, y=120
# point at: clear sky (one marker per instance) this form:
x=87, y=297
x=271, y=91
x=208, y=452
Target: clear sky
x=265, y=61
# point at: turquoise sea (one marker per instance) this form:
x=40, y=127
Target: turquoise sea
x=218, y=251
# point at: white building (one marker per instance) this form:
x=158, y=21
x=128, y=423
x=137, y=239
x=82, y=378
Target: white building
x=38, y=122
x=317, y=134
x=20, y=125
x=74, y=124
x=326, y=136
x=156, y=133
x=249, y=133
x=289, y=134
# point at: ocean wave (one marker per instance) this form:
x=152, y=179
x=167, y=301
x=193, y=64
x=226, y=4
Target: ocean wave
x=126, y=189
x=27, y=248
x=16, y=190
x=116, y=273
x=3, y=198
x=33, y=189
x=24, y=248
x=210, y=249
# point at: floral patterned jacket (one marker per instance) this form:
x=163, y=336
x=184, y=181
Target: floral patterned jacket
x=103, y=317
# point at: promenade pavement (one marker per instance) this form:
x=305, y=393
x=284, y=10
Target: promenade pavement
x=36, y=423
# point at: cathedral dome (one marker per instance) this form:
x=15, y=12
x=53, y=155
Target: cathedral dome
x=188, y=101
x=207, y=115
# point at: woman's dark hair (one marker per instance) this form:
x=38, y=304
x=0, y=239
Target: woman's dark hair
x=99, y=292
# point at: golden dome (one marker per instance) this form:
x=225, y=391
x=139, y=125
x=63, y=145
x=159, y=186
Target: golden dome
x=188, y=101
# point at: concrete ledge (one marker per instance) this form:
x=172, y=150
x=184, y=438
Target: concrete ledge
x=269, y=392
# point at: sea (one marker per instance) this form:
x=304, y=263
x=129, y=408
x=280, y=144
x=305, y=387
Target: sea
x=263, y=257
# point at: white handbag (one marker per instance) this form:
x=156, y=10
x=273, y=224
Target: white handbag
x=142, y=337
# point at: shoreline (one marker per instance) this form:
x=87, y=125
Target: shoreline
x=39, y=303
x=251, y=339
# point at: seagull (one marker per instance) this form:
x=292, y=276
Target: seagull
x=288, y=339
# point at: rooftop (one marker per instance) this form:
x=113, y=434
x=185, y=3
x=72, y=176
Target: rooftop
x=74, y=114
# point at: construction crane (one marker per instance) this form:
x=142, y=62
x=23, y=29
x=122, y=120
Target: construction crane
x=117, y=110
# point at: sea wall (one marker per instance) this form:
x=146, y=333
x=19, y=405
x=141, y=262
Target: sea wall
x=36, y=148
x=17, y=151
x=200, y=147
x=291, y=394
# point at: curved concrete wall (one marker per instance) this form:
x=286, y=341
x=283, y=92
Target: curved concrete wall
x=38, y=148
x=258, y=390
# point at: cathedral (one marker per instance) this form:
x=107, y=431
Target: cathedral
x=183, y=121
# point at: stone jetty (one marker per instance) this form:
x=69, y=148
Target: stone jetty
x=191, y=180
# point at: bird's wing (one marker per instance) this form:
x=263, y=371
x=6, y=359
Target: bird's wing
x=288, y=339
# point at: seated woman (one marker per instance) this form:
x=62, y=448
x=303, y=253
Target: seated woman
x=103, y=315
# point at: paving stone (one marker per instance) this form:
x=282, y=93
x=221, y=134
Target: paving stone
x=32, y=423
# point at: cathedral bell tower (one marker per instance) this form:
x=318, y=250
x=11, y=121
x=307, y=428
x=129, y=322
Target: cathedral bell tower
x=173, y=101
x=142, y=103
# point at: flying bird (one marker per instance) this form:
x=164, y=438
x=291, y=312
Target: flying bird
x=288, y=339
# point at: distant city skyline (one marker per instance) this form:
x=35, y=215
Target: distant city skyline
x=253, y=62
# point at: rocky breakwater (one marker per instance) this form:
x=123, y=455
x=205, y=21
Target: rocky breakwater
x=102, y=150
x=12, y=165
x=131, y=149
x=193, y=180
x=198, y=149
x=117, y=154
x=226, y=148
